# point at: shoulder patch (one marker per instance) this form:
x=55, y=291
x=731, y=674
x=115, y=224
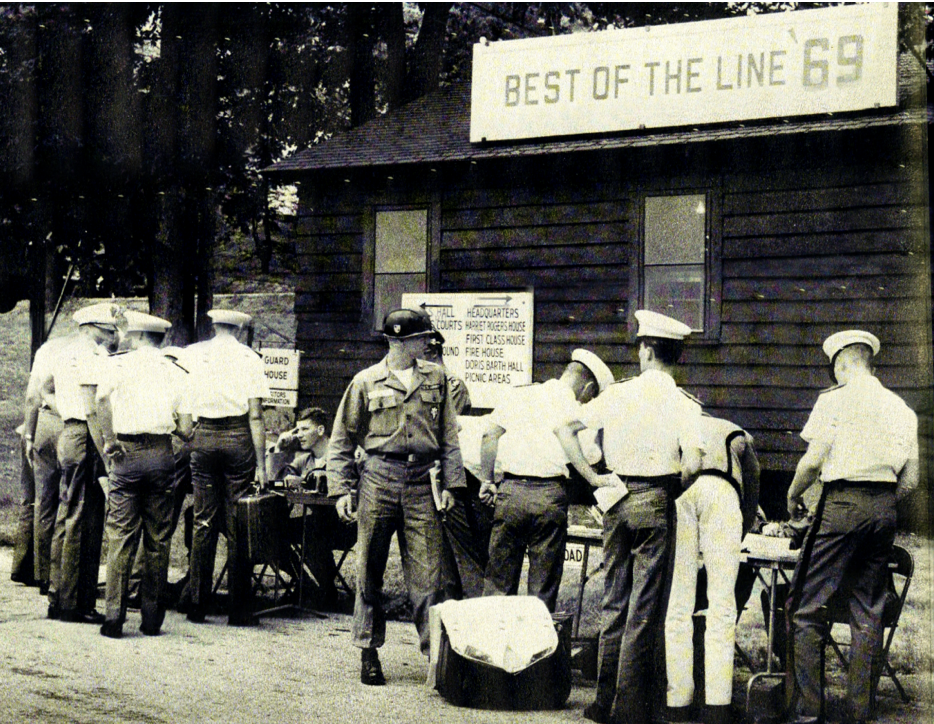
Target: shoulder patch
x=831, y=389
x=690, y=396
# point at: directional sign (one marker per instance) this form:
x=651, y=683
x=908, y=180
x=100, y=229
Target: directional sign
x=487, y=338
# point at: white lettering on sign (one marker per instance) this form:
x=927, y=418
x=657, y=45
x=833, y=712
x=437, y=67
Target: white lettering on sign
x=487, y=338
x=780, y=64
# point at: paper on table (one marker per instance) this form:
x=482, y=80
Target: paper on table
x=768, y=547
x=609, y=495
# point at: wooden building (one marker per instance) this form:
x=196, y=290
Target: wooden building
x=807, y=225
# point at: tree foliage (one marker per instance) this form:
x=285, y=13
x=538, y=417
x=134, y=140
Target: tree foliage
x=132, y=136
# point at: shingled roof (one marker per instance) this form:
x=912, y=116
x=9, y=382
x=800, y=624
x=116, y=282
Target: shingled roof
x=436, y=128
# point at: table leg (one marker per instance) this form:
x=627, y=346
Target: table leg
x=301, y=563
x=580, y=592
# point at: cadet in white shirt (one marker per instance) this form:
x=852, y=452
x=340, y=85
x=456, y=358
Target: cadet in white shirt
x=138, y=405
x=863, y=444
x=227, y=386
x=531, y=512
x=79, y=524
x=41, y=472
x=652, y=442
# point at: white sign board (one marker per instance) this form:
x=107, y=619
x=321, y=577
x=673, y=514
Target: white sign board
x=282, y=366
x=761, y=66
x=487, y=338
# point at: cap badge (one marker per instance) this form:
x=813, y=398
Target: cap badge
x=397, y=328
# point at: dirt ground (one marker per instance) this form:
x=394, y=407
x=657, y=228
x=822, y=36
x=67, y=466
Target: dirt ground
x=287, y=669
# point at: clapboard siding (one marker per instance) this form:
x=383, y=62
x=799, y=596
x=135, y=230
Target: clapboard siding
x=532, y=237
x=811, y=238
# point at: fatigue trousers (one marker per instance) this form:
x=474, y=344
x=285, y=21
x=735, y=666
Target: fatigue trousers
x=851, y=549
x=47, y=475
x=708, y=521
x=140, y=506
x=23, y=568
x=635, y=555
x=223, y=467
x=79, y=523
x=467, y=527
x=531, y=515
x=395, y=497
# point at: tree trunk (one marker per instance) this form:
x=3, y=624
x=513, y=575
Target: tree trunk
x=197, y=145
x=363, y=69
x=393, y=32
x=425, y=68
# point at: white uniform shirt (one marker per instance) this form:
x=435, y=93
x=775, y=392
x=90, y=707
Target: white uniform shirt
x=225, y=375
x=871, y=431
x=43, y=363
x=69, y=370
x=646, y=422
x=146, y=392
x=529, y=415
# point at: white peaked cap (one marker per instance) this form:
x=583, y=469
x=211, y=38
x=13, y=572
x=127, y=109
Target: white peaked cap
x=653, y=324
x=140, y=322
x=596, y=365
x=835, y=342
x=228, y=316
x=100, y=315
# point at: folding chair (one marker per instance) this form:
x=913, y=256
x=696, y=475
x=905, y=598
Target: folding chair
x=901, y=569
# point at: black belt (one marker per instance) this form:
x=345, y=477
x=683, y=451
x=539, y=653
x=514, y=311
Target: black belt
x=535, y=478
x=657, y=480
x=880, y=485
x=144, y=438
x=403, y=457
x=225, y=423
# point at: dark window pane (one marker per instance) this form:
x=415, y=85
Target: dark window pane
x=675, y=229
x=676, y=291
x=401, y=241
x=388, y=290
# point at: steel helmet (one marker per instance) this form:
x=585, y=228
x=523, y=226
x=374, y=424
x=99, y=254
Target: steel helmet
x=402, y=323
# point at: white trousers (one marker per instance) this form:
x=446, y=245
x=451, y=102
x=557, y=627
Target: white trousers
x=709, y=521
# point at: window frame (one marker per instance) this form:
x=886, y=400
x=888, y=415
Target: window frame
x=713, y=265
x=432, y=207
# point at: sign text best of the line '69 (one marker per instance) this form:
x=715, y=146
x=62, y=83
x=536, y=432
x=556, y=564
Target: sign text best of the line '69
x=783, y=64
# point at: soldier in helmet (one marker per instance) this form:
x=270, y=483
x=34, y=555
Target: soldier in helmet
x=400, y=413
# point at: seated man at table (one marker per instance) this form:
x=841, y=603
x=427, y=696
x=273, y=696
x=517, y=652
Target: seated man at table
x=310, y=438
x=309, y=441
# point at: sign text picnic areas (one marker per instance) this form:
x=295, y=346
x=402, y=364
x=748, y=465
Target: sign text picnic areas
x=782, y=64
x=487, y=338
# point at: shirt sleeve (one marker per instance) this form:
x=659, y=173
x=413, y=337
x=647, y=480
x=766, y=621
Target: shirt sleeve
x=257, y=385
x=690, y=432
x=822, y=423
x=342, y=471
x=504, y=414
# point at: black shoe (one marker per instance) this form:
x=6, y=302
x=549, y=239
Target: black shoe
x=596, y=713
x=195, y=616
x=72, y=616
x=112, y=629
x=371, y=673
x=25, y=580
x=149, y=630
x=53, y=612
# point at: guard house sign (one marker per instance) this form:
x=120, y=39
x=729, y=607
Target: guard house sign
x=281, y=367
x=782, y=64
x=487, y=338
